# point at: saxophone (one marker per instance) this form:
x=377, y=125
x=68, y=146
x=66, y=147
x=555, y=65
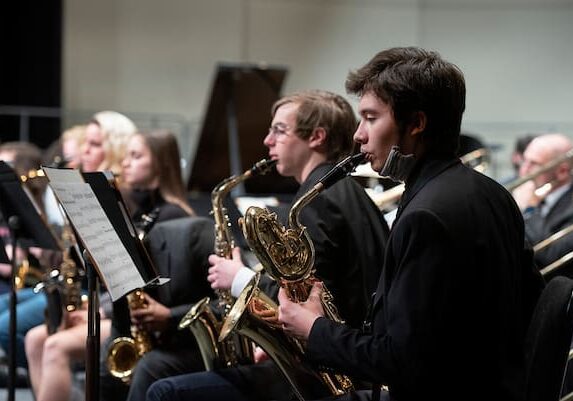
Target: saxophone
x=125, y=352
x=62, y=285
x=201, y=319
x=287, y=255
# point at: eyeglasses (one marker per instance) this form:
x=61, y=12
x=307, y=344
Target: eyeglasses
x=279, y=131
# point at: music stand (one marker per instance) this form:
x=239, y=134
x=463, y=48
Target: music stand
x=115, y=209
x=103, y=204
x=28, y=228
x=3, y=257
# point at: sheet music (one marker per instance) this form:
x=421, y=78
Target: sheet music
x=114, y=263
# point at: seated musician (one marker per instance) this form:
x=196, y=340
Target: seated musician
x=546, y=201
x=457, y=290
x=23, y=157
x=310, y=131
x=49, y=356
x=155, y=194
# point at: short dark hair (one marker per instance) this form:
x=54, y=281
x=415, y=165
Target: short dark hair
x=410, y=80
x=326, y=110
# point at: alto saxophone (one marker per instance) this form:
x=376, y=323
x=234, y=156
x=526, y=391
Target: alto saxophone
x=63, y=285
x=287, y=255
x=201, y=319
x=124, y=352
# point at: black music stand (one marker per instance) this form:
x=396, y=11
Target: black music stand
x=3, y=257
x=111, y=203
x=28, y=228
x=114, y=207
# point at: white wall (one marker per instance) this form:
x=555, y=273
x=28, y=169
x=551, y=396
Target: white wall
x=150, y=56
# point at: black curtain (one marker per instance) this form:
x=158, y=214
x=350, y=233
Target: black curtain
x=31, y=65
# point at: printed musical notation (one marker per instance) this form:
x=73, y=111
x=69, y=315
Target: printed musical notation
x=112, y=260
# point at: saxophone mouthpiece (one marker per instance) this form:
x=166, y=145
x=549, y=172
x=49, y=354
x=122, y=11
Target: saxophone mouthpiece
x=342, y=169
x=263, y=166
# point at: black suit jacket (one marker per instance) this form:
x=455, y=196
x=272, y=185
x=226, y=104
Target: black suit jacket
x=454, y=299
x=538, y=228
x=179, y=249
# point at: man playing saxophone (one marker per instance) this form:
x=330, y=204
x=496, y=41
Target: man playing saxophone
x=310, y=132
x=450, y=313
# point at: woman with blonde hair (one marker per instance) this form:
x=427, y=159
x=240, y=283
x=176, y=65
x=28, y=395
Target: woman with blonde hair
x=49, y=357
x=106, y=138
x=152, y=186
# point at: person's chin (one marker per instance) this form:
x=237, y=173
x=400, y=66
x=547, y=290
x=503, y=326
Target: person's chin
x=376, y=166
x=280, y=170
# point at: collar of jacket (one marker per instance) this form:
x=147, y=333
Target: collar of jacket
x=424, y=171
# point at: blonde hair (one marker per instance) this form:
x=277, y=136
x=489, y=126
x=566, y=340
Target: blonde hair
x=116, y=130
x=76, y=133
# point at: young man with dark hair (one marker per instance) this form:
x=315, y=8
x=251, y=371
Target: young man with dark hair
x=458, y=288
x=309, y=133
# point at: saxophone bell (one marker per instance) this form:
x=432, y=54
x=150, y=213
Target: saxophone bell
x=255, y=315
x=124, y=352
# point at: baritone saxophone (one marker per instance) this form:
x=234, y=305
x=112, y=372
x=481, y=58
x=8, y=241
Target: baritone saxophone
x=203, y=322
x=287, y=255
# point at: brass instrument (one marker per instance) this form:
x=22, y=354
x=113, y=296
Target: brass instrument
x=63, y=284
x=287, y=255
x=550, y=240
x=31, y=174
x=541, y=192
x=124, y=352
x=477, y=159
x=27, y=275
x=63, y=288
x=201, y=319
x=556, y=264
x=566, y=157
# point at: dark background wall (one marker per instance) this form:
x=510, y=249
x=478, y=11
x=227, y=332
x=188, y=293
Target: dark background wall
x=31, y=66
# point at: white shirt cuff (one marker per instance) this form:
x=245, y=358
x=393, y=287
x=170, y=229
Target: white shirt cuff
x=241, y=280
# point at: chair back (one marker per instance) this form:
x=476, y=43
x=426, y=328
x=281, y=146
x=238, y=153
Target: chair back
x=548, y=341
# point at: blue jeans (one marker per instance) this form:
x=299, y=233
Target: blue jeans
x=256, y=382
x=29, y=313
x=212, y=386
x=207, y=386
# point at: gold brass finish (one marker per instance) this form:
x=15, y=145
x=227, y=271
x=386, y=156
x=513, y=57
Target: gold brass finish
x=201, y=319
x=124, y=352
x=287, y=255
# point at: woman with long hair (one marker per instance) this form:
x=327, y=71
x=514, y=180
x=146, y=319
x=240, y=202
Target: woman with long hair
x=152, y=180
